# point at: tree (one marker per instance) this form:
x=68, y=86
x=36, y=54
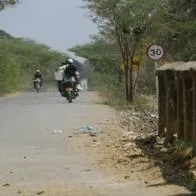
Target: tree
x=181, y=19
x=128, y=19
x=4, y=3
x=174, y=25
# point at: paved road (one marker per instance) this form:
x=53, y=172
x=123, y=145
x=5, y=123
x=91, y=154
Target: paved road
x=33, y=159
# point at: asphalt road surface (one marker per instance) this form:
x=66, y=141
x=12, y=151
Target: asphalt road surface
x=34, y=161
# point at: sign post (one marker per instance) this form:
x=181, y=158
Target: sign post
x=155, y=52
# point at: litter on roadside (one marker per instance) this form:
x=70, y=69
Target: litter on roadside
x=56, y=131
x=87, y=129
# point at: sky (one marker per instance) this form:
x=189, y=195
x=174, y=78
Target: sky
x=60, y=24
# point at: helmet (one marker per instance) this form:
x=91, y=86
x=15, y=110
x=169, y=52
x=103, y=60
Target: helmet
x=38, y=70
x=70, y=61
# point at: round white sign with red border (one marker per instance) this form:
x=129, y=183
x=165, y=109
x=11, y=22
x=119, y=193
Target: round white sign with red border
x=155, y=52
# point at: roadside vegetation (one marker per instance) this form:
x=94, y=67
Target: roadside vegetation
x=127, y=28
x=19, y=59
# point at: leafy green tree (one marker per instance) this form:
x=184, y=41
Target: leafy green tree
x=181, y=19
x=128, y=20
x=4, y=3
x=131, y=25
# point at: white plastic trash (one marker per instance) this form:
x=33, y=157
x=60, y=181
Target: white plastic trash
x=55, y=131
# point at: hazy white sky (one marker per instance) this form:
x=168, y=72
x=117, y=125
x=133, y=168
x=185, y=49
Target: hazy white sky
x=60, y=24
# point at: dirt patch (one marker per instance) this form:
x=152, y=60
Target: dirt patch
x=9, y=95
x=59, y=189
x=119, y=149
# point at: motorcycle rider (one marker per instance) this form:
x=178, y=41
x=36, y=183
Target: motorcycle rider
x=36, y=76
x=59, y=82
x=71, y=71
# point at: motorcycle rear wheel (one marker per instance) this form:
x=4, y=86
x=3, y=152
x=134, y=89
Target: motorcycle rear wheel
x=37, y=87
x=69, y=96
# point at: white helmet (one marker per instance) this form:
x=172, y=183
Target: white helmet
x=37, y=70
x=70, y=61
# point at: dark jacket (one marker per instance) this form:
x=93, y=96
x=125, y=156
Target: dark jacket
x=38, y=75
x=70, y=71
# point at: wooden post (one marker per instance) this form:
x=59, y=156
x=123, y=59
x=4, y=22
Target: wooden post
x=173, y=102
x=184, y=108
x=176, y=86
x=166, y=101
x=161, y=102
x=170, y=102
x=177, y=103
x=193, y=75
x=194, y=107
x=189, y=108
x=187, y=99
x=180, y=114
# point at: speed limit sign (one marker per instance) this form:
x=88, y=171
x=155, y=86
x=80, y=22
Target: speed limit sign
x=155, y=52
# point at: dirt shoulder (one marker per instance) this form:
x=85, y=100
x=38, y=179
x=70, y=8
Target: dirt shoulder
x=9, y=95
x=114, y=148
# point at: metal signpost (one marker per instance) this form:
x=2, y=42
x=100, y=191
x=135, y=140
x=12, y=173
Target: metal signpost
x=155, y=52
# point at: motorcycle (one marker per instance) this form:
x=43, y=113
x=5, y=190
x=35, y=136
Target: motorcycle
x=37, y=84
x=70, y=89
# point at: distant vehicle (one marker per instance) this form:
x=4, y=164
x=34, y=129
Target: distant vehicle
x=37, y=82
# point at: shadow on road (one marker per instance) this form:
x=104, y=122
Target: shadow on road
x=173, y=164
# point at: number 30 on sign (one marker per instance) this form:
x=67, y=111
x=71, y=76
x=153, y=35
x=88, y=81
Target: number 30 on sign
x=155, y=52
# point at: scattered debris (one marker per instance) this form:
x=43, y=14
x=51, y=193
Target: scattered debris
x=97, y=143
x=6, y=185
x=56, y=131
x=144, y=123
x=11, y=172
x=40, y=192
x=86, y=170
x=93, y=134
x=163, y=149
x=90, y=130
x=19, y=192
x=160, y=140
x=189, y=152
x=87, y=128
